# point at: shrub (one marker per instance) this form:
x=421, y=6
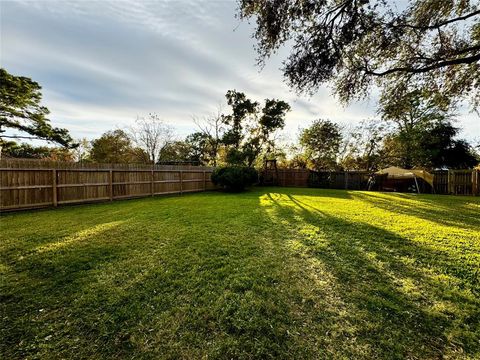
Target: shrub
x=234, y=178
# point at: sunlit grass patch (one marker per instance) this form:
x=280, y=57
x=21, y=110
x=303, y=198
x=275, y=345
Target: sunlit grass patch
x=271, y=273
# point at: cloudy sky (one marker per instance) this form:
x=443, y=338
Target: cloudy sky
x=102, y=63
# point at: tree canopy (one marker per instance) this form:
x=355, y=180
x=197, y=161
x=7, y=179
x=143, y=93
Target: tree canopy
x=353, y=44
x=249, y=128
x=116, y=147
x=321, y=142
x=20, y=110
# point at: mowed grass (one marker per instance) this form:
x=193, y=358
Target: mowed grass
x=271, y=273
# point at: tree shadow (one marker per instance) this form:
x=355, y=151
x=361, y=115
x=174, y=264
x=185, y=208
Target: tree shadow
x=280, y=280
x=324, y=193
x=426, y=208
x=393, y=297
x=56, y=270
x=183, y=292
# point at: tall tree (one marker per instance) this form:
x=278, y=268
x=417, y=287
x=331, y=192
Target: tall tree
x=353, y=44
x=430, y=145
x=243, y=110
x=423, y=133
x=211, y=127
x=321, y=142
x=201, y=148
x=20, y=110
x=151, y=134
x=249, y=128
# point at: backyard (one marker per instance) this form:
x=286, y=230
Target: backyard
x=269, y=273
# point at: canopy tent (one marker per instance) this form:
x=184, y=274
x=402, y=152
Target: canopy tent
x=396, y=173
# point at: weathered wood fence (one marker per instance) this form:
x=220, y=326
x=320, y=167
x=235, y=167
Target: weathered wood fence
x=290, y=177
x=457, y=182
x=28, y=187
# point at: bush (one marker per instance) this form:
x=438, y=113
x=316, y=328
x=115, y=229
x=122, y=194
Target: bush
x=234, y=178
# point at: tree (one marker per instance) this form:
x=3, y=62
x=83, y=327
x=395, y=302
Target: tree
x=423, y=133
x=243, y=109
x=116, y=147
x=431, y=145
x=321, y=142
x=151, y=134
x=20, y=110
x=27, y=151
x=82, y=152
x=249, y=128
x=212, y=128
x=175, y=151
x=202, y=148
x=353, y=44
x=364, y=146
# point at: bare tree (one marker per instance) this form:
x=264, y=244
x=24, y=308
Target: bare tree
x=212, y=127
x=152, y=134
x=82, y=152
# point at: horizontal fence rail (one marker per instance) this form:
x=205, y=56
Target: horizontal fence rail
x=456, y=182
x=29, y=188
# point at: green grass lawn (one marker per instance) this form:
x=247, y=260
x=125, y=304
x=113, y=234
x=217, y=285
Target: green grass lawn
x=271, y=273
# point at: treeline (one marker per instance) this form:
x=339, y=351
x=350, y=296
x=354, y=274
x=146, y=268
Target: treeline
x=411, y=131
x=240, y=136
x=414, y=134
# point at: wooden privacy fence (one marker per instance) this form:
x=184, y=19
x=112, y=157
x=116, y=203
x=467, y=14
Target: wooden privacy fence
x=456, y=182
x=28, y=188
x=355, y=180
x=290, y=177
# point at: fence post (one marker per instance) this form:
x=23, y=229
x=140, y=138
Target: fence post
x=110, y=184
x=450, y=182
x=54, y=187
x=181, y=181
x=346, y=180
x=204, y=180
x=151, y=183
x=475, y=182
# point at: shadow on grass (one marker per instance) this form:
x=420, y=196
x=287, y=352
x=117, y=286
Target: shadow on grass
x=393, y=299
x=48, y=280
x=218, y=275
x=324, y=193
x=169, y=282
x=426, y=208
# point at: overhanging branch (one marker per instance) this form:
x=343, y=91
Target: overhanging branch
x=439, y=24
x=438, y=65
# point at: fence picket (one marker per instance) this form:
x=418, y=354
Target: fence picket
x=28, y=188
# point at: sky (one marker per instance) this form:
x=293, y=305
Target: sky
x=103, y=63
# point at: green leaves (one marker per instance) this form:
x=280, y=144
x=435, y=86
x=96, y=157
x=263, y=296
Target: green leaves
x=322, y=143
x=250, y=128
x=20, y=110
x=355, y=45
x=234, y=178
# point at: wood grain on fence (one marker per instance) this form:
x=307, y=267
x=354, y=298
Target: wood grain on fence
x=26, y=188
x=292, y=177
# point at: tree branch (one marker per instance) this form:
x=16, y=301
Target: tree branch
x=25, y=137
x=438, y=65
x=438, y=25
